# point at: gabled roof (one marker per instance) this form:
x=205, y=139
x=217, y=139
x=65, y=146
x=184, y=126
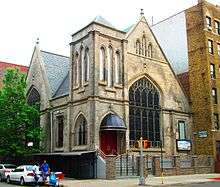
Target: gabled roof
x=57, y=67
x=64, y=87
x=103, y=21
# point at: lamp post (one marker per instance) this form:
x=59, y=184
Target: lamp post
x=141, y=178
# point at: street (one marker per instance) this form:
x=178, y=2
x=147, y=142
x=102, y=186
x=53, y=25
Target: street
x=207, y=184
x=3, y=184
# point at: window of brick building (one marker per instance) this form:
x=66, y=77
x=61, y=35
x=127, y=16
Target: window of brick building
x=212, y=71
x=210, y=46
x=182, y=130
x=209, y=22
x=216, y=121
x=217, y=27
x=218, y=48
x=214, y=95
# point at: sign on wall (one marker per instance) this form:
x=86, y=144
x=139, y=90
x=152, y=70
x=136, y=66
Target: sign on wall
x=183, y=145
x=202, y=134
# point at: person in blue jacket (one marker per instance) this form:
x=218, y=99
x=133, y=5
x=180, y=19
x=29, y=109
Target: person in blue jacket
x=45, y=170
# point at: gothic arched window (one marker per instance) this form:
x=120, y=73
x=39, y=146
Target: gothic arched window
x=76, y=69
x=110, y=66
x=33, y=98
x=81, y=131
x=144, y=112
x=144, y=46
x=150, y=50
x=81, y=67
x=59, y=129
x=138, y=47
x=86, y=65
x=102, y=62
x=118, y=74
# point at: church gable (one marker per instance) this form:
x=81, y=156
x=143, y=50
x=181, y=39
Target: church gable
x=141, y=41
x=37, y=79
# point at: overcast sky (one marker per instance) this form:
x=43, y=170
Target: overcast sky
x=53, y=21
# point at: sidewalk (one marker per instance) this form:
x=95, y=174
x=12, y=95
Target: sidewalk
x=133, y=182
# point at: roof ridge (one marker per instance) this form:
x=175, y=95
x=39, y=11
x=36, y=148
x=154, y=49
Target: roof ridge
x=54, y=54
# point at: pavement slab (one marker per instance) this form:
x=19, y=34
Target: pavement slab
x=179, y=180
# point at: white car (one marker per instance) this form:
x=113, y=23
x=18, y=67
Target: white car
x=5, y=169
x=24, y=174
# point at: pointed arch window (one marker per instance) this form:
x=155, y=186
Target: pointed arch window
x=144, y=112
x=102, y=68
x=138, y=47
x=33, y=98
x=81, y=67
x=86, y=65
x=150, y=50
x=76, y=70
x=110, y=66
x=59, y=137
x=144, y=46
x=118, y=73
x=81, y=131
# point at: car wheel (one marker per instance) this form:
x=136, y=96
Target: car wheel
x=22, y=181
x=8, y=179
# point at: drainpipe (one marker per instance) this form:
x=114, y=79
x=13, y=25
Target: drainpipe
x=51, y=131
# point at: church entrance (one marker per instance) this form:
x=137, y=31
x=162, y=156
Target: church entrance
x=112, y=135
x=109, y=142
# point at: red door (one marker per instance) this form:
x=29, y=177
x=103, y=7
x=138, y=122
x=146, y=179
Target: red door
x=108, y=142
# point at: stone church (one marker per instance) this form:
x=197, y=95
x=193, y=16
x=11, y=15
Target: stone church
x=115, y=87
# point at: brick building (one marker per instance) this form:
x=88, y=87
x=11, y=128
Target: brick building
x=5, y=65
x=191, y=41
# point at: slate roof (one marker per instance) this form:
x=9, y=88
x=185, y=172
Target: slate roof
x=103, y=21
x=129, y=28
x=64, y=87
x=57, y=68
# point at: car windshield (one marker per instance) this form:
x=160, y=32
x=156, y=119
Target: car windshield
x=29, y=168
x=10, y=166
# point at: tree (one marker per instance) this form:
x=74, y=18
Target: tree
x=17, y=118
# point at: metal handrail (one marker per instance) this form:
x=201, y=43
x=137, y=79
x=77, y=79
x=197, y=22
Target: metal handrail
x=101, y=153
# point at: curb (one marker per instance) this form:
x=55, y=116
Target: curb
x=180, y=184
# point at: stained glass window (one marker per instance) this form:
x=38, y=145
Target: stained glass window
x=144, y=112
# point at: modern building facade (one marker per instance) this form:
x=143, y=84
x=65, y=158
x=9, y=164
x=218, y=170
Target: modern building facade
x=115, y=87
x=191, y=41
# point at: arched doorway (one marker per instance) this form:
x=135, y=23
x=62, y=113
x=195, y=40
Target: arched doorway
x=144, y=112
x=112, y=134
